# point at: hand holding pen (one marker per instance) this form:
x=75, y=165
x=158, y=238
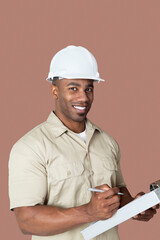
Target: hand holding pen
x=105, y=201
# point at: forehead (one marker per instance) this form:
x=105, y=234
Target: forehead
x=76, y=82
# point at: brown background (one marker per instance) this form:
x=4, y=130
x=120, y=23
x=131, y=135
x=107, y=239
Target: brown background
x=124, y=36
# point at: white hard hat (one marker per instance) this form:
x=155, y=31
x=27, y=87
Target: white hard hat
x=74, y=62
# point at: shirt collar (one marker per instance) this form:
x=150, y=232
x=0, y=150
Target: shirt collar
x=92, y=126
x=59, y=128
x=55, y=123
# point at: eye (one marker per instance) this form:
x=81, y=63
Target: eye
x=73, y=88
x=89, y=90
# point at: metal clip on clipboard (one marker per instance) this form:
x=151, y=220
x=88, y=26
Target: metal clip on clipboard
x=128, y=211
x=154, y=185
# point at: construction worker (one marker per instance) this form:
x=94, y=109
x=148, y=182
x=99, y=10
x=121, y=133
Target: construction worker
x=52, y=167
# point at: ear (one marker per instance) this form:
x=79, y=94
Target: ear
x=54, y=90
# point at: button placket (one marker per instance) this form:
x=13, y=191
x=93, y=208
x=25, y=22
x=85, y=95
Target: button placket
x=89, y=171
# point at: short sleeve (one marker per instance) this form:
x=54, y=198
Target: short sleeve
x=119, y=177
x=27, y=177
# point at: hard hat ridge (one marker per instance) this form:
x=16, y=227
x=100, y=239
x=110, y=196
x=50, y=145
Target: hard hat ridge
x=74, y=62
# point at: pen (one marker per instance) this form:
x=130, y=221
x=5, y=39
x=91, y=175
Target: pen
x=99, y=190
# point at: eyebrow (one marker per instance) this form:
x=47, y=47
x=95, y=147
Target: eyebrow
x=78, y=85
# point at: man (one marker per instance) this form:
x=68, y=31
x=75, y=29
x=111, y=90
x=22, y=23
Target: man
x=52, y=166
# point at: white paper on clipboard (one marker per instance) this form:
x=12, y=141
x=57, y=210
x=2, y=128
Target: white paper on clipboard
x=130, y=210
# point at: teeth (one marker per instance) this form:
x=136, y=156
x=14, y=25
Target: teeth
x=79, y=108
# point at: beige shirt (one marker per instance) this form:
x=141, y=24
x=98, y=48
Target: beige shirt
x=51, y=165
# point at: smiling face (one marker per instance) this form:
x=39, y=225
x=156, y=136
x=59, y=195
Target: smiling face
x=74, y=98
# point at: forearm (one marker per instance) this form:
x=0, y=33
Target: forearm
x=49, y=220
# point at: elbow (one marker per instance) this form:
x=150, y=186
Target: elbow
x=22, y=217
x=24, y=229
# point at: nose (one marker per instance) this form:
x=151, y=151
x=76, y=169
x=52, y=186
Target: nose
x=82, y=96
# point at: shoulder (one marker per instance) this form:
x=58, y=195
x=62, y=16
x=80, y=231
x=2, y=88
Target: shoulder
x=101, y=132
x=33, y=142
x=105, y=138
x=109, y=139
x=34, y=135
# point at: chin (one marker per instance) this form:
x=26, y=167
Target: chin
x=79, y=119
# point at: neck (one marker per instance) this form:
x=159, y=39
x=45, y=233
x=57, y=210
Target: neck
x=74, y=126
x=77, y=127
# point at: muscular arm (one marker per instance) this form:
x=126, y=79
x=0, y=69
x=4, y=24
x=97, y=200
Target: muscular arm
x=50, y=220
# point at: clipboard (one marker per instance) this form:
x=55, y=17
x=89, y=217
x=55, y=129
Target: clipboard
x=131, y=209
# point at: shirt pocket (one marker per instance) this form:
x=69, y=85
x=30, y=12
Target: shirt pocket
x=65, y=171
x=105, y=171
x=65, y=183
x=110, y=163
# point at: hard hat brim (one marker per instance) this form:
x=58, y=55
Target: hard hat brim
x=49, y=79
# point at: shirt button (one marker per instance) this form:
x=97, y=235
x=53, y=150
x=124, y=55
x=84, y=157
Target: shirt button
x=91, y=172
x=68, y=173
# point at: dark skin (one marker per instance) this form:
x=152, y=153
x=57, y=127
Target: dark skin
x=70, y=95
x=73, y=100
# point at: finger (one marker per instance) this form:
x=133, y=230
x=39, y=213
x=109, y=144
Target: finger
x=141, y=217
x=145, y=216
x=111, y=213
x=135, y=217
x=143, y=213
x=109, y=193
x=104, y=187
x=150, y=212
x=111, y=203
x=156, y=207
x=140, y=194
x=112, y=209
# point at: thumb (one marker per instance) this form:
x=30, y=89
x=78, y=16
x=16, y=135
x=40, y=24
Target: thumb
x=104, y=187
x=139, y=195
